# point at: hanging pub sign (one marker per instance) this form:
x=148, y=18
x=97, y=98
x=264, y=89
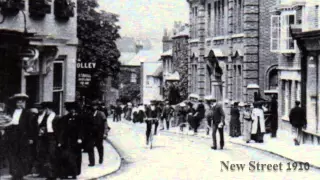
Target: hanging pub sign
x=84, y=73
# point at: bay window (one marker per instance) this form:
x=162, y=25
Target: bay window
x=281, y=39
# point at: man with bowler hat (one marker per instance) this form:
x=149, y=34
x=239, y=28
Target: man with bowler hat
x=70, y=141
x=20, y=135
x=99, y=125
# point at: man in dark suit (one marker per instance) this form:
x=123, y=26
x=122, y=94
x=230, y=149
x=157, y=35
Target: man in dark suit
x=298, y=120
x=218, y=122
x=99, y=125
x=47, y=141
x=117, y=112
x=20, y=136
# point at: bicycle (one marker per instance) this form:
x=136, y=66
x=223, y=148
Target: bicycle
x=152, y=120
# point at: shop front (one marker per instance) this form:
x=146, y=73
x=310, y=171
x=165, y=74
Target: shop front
x=33, y=68
x=309, y=45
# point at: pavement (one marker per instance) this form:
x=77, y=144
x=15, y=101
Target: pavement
x=111, y=164
x=282, y=146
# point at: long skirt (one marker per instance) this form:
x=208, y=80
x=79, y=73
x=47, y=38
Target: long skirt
x=258, y=137
x=70, y=161
x=47, y=156
x=18, y=152
x=235, y=128
x=247, y=125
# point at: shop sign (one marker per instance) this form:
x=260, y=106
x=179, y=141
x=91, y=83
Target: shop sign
x=84, y=73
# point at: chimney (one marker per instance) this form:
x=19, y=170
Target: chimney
x=139, y=47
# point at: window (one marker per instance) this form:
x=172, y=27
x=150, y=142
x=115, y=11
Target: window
x=133, y=78
x=208, y=82
x=281, y=39
x=287, y=43
x=64, y=8
x=195, y=22
x=275, y=33
x=283, y=98
x=39, y=7
x=194, y=78
x=273, y=79
x=58, y=86
x=209, y=20
x=316, y=16
x=149, y=80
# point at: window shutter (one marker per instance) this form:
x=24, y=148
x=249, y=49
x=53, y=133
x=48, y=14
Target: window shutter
x=275, y=33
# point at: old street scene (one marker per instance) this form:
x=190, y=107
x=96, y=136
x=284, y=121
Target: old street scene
x=159, y=89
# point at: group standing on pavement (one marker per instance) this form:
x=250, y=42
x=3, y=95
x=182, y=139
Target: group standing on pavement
x=41, y=142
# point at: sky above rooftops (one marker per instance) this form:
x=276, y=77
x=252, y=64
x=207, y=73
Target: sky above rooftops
x=147, y=18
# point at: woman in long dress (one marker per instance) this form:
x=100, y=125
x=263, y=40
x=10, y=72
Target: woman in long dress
x=258, y=124
x=247, y=123
x=235, y=121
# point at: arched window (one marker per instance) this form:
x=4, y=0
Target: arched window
x=273, y=79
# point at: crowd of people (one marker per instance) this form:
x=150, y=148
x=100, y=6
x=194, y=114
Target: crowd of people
x=247, y=120
x=38, y=141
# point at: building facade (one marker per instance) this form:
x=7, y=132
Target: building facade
x=298, y=59
x=38, y=45
x=151, y=81
x=175, y=60
x=229, y=49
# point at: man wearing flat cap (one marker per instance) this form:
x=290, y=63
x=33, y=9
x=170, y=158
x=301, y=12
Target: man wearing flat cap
x=21, y=135
x=70, y=141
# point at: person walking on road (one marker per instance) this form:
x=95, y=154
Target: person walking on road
x=198, y=116
x=235, y=127
x=208, y=111
x=117, y=112
x=100, y=125
x=166, y=115
x=218, y=122
x=151, y=118
x=258, y=124
x=298, y=121
x=247, y=123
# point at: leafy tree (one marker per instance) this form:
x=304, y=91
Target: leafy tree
x=97, y=33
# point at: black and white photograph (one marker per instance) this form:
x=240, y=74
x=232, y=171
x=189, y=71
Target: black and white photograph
x=159, y=89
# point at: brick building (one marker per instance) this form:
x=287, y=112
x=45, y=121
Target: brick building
x=229, y=49
x=38, y=45
x=298, y=61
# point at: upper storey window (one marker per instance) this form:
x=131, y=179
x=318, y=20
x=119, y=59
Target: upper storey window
x=63, y=9
x=8, y=7
x=39, y=7
x=281, y=39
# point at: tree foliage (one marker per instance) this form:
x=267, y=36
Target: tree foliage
x=97, y=33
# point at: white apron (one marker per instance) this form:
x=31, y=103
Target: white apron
x=255, y=114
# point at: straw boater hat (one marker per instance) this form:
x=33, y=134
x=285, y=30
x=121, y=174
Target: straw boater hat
x=19, y=96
